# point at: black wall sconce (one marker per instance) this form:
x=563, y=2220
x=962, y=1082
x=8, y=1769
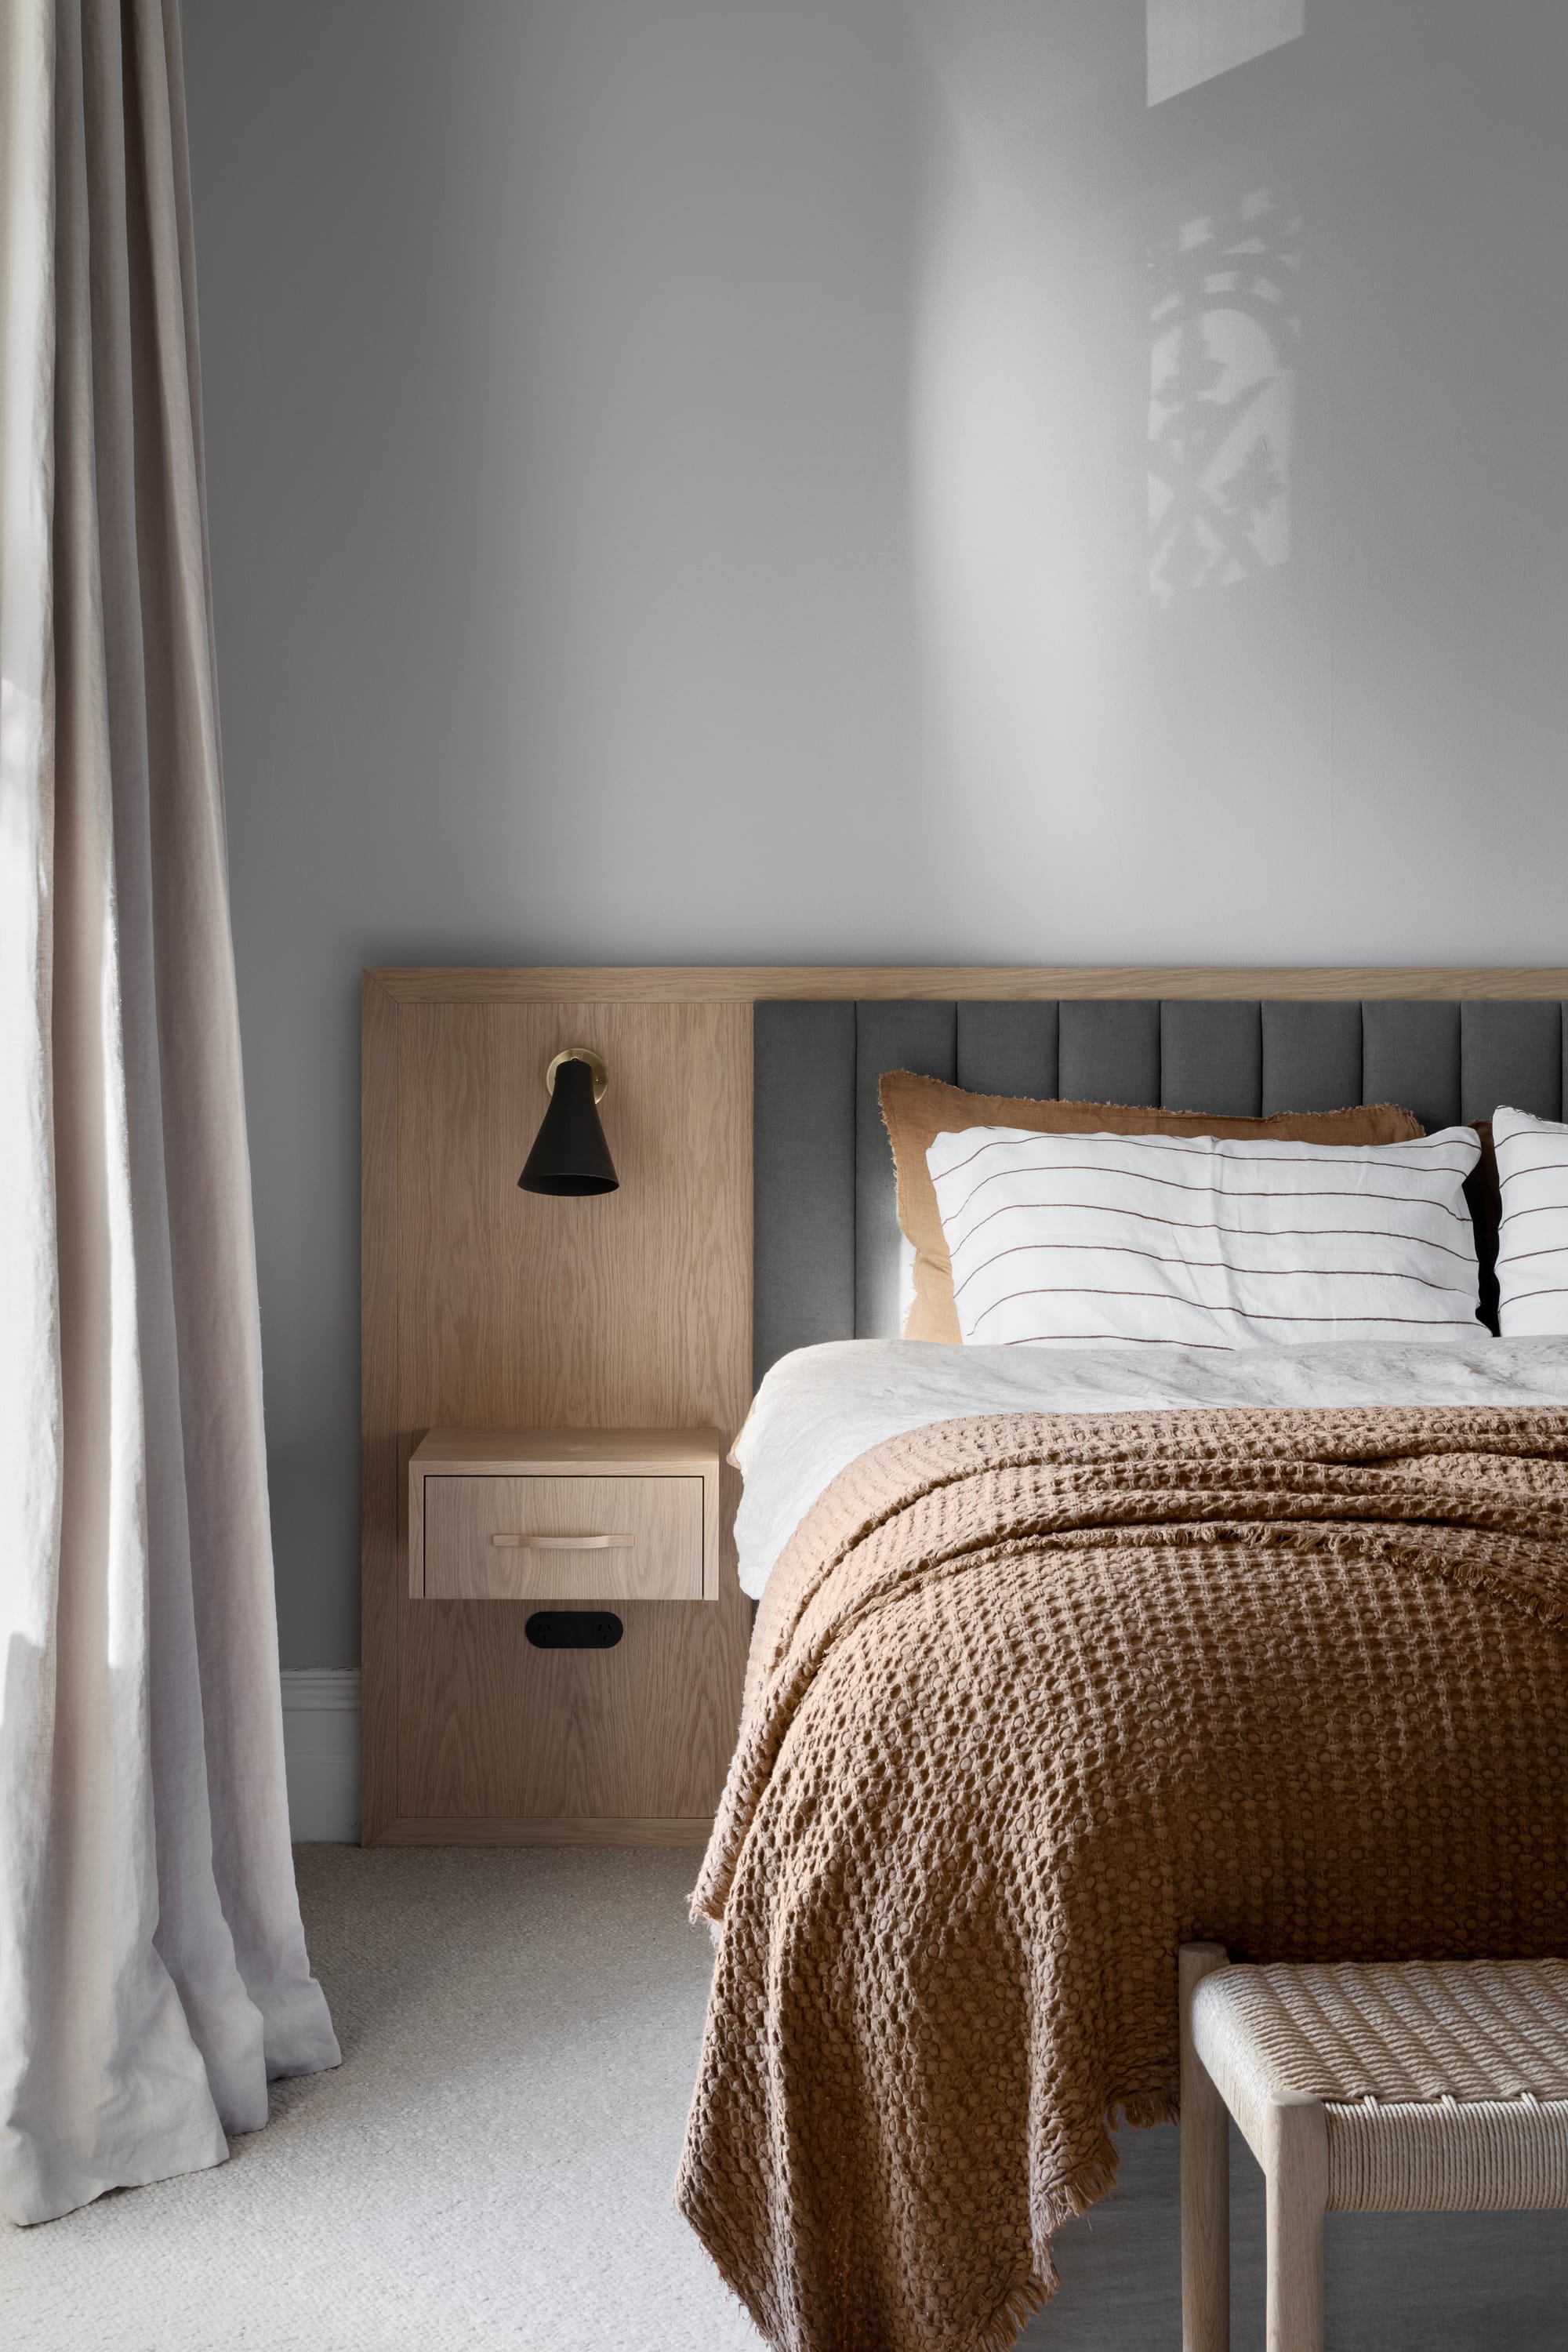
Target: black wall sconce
x=570, y=1154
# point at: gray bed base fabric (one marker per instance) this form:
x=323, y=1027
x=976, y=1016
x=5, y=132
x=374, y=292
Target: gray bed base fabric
x=828, y=1268
x=1393, y=2281
x=826, y=1262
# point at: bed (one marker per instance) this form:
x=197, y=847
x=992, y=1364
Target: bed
x=861, y=1459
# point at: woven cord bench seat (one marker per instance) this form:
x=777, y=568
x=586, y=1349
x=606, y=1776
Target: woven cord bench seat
x=1444, y=2084
x=1375, y=2087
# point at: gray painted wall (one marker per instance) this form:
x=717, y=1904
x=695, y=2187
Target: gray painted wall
x=681, y=489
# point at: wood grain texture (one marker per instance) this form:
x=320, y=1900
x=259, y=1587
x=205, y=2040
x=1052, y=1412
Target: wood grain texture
x=516, y=1311
x=587, y=1830
x=381, y=1479
x=567, y=1453
x=1296, y=2192
x=745, y=983
x=558, y=1453
x=655, y=1525
x=1206, y=2175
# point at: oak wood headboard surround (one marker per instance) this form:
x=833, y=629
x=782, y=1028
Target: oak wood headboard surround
x=484, y=1307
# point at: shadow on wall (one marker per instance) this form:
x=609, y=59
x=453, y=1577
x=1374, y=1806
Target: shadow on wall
x=1191, y=41
x=1225, y=332
x=1107, y=408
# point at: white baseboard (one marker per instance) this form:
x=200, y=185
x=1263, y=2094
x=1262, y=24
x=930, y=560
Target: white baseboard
x=320, y=1751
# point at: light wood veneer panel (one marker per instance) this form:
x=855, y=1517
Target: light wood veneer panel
x=560, y=1453
x=381, y=1453
x=515, y=1310
x=692, y=983
x=592, y=1830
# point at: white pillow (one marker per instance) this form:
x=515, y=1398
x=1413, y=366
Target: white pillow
x=1200, y=1243
x=1532, y=1236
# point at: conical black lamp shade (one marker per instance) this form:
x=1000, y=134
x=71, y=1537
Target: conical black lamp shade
x=570, y=1154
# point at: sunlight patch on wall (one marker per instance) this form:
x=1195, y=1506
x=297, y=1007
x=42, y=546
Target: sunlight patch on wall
x=1225, y=330
x=1190, y=41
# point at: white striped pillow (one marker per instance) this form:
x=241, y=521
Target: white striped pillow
x=1197, y=1241
x=1533, y=1233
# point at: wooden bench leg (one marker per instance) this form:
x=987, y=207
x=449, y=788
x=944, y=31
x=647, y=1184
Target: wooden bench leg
x=1205, y=2176
x=1296, y=2173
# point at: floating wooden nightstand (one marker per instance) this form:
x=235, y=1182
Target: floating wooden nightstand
x=564, y=1515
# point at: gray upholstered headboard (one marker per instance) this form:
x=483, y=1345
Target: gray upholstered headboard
x=827, y=1238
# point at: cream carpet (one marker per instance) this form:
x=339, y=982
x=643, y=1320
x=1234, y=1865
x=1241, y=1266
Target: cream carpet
x=492, y=2166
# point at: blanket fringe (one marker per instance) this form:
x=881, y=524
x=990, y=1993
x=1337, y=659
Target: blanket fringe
x=1066, y=2199
x=1002, y=2331
x=1095, y=2178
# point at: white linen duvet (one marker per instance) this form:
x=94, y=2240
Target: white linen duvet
x=820, y=1407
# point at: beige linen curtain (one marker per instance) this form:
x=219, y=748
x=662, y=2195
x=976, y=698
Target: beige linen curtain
x=152, y=1970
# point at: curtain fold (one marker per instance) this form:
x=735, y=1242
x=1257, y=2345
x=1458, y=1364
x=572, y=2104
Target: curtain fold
x=152, y=1967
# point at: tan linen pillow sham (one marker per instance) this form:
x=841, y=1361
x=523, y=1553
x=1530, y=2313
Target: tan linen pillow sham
x=917, y=1109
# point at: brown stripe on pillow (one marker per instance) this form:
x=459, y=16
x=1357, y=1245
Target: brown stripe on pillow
x=1337, y=1248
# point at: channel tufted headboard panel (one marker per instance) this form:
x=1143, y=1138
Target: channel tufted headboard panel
x=826, y=1236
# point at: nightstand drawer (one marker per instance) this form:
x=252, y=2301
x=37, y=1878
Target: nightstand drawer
x=531, y=1538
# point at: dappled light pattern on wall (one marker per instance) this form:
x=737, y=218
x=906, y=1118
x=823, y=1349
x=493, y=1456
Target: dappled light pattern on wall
x=1225, y=332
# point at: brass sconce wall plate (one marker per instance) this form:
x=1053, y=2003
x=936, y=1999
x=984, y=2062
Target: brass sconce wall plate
x=580, y=1054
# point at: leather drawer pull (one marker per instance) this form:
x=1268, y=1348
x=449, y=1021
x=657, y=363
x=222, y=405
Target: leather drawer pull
x=562, y=1543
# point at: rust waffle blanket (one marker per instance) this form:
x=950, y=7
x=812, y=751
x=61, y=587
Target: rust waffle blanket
x=1032, y=1699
